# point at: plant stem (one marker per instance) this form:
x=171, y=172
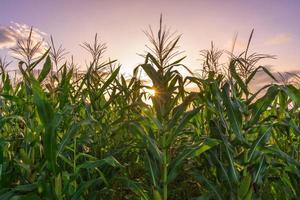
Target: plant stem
x=165, y=170
x=165, y=176
x=74, y=162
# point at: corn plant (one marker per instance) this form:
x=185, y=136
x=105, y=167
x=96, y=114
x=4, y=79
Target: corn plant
x=94, y=135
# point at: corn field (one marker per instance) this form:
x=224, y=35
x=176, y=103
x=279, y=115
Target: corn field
x=99, y=135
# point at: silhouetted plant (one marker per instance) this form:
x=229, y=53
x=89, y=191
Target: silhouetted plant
x=57, y=55
x=96, y=50
x=27, y=49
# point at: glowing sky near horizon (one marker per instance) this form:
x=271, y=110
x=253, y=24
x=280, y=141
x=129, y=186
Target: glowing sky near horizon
x=120, y=24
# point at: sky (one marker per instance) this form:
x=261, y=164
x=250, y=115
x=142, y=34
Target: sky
x=120, y=24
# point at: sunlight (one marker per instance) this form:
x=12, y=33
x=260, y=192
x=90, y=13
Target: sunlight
x=152, y=92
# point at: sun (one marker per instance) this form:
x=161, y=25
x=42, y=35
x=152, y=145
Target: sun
x=152, y=92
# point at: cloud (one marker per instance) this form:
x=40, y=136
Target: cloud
x=282, y=38
x=261, y=78
x=6, y=39
x=10, y=34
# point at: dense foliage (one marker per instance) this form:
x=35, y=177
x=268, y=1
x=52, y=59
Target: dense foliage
x=95, y=136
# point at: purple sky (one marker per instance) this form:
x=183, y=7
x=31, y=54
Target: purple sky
x=120, y=25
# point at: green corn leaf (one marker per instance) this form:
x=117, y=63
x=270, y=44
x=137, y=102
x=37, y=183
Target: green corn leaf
x=234, y=74
x=275, y=151
x=156, y=195
x=262, y=104
x=135, y=187
x=228, y=152
x=293, y=93
x=83, y=187
x=206, y=145
x=50, y=122
x=111, y=161
x=153, y=147
x=245, y=188
x=252, y=75
x=34, y=64
x=233, y=113
x=210, y=186
x=45, y=70
x=6, y=194
x=152, y=58
x=260, y=168
x=109, y=80
x=151, y=168
x=152, y=74
x=68, y=136
x=258, y=141
x=185, y=119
